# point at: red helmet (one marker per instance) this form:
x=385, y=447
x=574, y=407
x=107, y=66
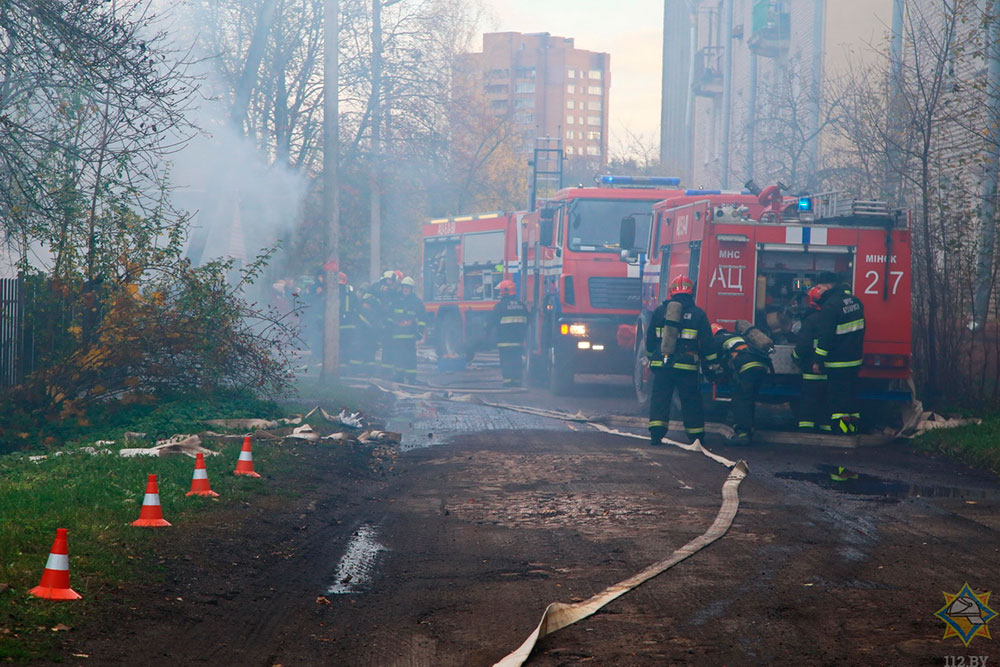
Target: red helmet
x=716, y=328
x=342, y=277
x=399, y=275
x=681, y=284
x=813, y=295
x=507, y=287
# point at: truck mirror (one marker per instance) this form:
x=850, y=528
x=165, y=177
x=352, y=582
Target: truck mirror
x=626, y=236
x=545, y=229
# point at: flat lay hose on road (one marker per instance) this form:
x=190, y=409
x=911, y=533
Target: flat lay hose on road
x=559, y=614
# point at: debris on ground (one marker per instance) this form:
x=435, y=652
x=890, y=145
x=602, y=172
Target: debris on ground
x=189, y=445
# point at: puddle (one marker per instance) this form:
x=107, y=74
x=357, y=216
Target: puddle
x=870, y=485
x=357, y=565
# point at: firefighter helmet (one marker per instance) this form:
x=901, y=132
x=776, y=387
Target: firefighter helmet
x=388, y=275
x=398, y=275
x=342, y=277
x=716, y=328
x=681, y=284
x=813, y=295
x=408, y=282
x=507, y=287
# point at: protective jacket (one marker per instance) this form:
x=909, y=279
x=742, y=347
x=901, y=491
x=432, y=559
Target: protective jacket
x=840, y=328
x=407, y=318
x=510, y=321
x=737, y=355
x=804, y=354
x=694, y=342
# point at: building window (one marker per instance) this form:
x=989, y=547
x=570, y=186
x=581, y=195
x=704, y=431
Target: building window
x=498, y=73
x=571, y=89
x=594, y=105
x=499, y=104
x=497, y=89
x=591, y=120
x=593, y=150
x=596, y=74
x=570, y=120
x=524, y=118
x=594, y=135
x=524, y=87
x=524, y=72
x=571, y=73
x=595, y=90
x=524, y=103
x=569, y=134
x=570, y=104
x=579, y=119
x=569, y=150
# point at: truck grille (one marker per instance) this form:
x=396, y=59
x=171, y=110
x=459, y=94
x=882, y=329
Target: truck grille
x=615, y=293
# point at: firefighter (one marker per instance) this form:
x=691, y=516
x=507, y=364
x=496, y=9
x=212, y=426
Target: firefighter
x=376, y=306
x=407, y=322
x=838, y=351
x=350, y=313
x=677, y=339
x=510, y=323
x=813, y=387
x=747, y=366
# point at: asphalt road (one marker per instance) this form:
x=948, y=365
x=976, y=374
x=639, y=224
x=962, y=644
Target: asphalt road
x=449, y=552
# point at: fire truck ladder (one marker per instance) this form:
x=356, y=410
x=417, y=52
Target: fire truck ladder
x=835, y=205
x=547, y=169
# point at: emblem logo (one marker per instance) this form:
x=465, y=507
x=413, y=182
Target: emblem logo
x=966, y=615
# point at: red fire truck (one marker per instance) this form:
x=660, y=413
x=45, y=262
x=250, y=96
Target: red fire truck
x=582, y=299
x=752, y=257
x=464, y=259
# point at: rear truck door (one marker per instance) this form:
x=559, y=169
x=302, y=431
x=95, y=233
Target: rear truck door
x=730, y=263
x=883, y=283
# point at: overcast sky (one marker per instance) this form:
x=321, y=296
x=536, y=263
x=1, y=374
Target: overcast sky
x=632, y=37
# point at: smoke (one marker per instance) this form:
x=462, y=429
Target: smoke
x=239, y=200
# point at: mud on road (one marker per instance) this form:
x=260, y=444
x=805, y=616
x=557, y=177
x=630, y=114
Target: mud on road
x=487, y=516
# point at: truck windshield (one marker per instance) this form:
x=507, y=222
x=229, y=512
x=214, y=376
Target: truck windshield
x=594, y=224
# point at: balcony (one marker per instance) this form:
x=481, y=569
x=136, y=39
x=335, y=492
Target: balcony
x=771, y=29
x=708, y=71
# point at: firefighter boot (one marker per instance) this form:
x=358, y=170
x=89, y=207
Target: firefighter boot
x=656, y=437
x=740, y=437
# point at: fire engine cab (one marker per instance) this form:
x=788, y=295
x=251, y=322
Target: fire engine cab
x=752, y=257
x=464, y=259
x=582, y=300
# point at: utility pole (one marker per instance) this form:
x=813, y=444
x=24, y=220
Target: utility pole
x=331, y=200
x=895, y=102
x=374, y=180
x=988, y=222
x=816, y=81
x=727, y=90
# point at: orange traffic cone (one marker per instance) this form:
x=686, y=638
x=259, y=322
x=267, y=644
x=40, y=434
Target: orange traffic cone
x=151, y=513
x=199, y=483
x=55, y=578
x=245, y=465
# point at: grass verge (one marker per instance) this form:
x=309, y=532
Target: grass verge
x=96, y=497
x=976, y=445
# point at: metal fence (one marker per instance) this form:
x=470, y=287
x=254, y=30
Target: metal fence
x=11, y=332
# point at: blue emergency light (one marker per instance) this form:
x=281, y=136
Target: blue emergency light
x=805, y=204
x=660, y=181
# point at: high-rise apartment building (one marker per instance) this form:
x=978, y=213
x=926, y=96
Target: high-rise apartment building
x=746, y=83
x=548, y=88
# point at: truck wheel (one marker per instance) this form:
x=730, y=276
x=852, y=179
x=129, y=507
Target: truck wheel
x=450, y=341
x=560, y=372
x=534, y=369
x=642, y=377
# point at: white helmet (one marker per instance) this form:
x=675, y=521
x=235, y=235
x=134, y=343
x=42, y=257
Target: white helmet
x=408, y=282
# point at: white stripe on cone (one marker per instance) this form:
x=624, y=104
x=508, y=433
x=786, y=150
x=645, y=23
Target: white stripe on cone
x=151, y=499
x=246, y=456
x=200, y=473
x=57, y=562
